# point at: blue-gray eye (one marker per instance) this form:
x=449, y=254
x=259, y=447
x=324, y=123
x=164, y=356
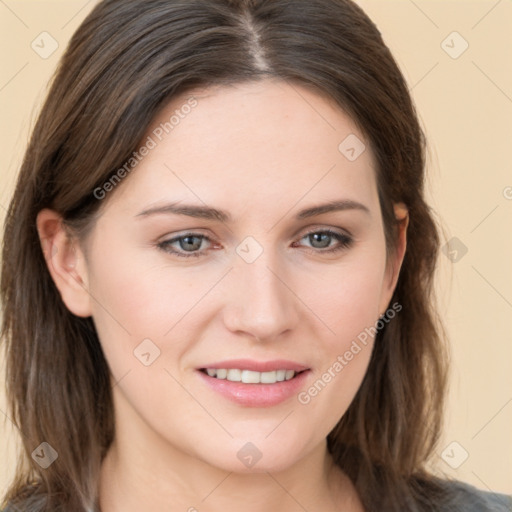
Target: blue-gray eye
x=190, y=243
x=321, y=239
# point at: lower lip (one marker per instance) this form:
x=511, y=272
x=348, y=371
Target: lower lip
x=256, y=395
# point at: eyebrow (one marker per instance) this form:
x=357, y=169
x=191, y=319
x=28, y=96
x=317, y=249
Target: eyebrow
x=209, y=213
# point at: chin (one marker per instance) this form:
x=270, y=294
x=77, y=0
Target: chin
x=258, y=455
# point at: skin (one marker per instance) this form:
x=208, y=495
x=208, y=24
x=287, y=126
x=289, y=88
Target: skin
x=262, y=152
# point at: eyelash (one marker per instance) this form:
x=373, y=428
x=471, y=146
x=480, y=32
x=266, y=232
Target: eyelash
x=344, y=243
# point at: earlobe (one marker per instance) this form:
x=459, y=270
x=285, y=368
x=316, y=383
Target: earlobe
x=402, y=216
x=395, y=265
x=65, y=262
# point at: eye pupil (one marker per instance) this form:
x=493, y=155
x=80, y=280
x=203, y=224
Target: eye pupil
x=186, y=242
x=316, y=237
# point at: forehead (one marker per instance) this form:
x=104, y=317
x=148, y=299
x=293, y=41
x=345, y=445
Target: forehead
x=251, y=146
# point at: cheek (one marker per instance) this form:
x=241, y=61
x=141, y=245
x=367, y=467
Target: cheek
x=140, y=297
x=352, y=314
x=135, y=301
x=346, y=298
x=347, y=301
x=329, y=395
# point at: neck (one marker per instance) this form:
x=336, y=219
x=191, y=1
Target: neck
x=131, y=481
x=143, y=471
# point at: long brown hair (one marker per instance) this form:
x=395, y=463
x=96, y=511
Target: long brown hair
x=123, y=64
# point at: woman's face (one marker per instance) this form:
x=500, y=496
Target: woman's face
x=276, y=283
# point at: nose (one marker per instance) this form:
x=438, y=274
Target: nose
x=260, y=300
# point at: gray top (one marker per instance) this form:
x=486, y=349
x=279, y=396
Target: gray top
x=467, y=498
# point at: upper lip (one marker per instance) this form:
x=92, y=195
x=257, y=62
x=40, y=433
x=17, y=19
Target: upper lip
x=257, y=366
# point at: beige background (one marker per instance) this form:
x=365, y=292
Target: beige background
x=466, y=106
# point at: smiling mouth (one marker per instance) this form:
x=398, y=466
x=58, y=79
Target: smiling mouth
x=249, y=376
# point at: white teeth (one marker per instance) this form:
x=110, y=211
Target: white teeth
x=251, y=377
x=268, y=377
x=221, y=374
x=234, y=375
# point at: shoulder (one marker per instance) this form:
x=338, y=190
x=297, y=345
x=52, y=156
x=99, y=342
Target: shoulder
x=464, y=497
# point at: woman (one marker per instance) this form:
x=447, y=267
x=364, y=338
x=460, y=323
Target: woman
x=217, y=270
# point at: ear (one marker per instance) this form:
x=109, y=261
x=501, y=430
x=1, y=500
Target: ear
x=395, y=263
x=65, y=261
